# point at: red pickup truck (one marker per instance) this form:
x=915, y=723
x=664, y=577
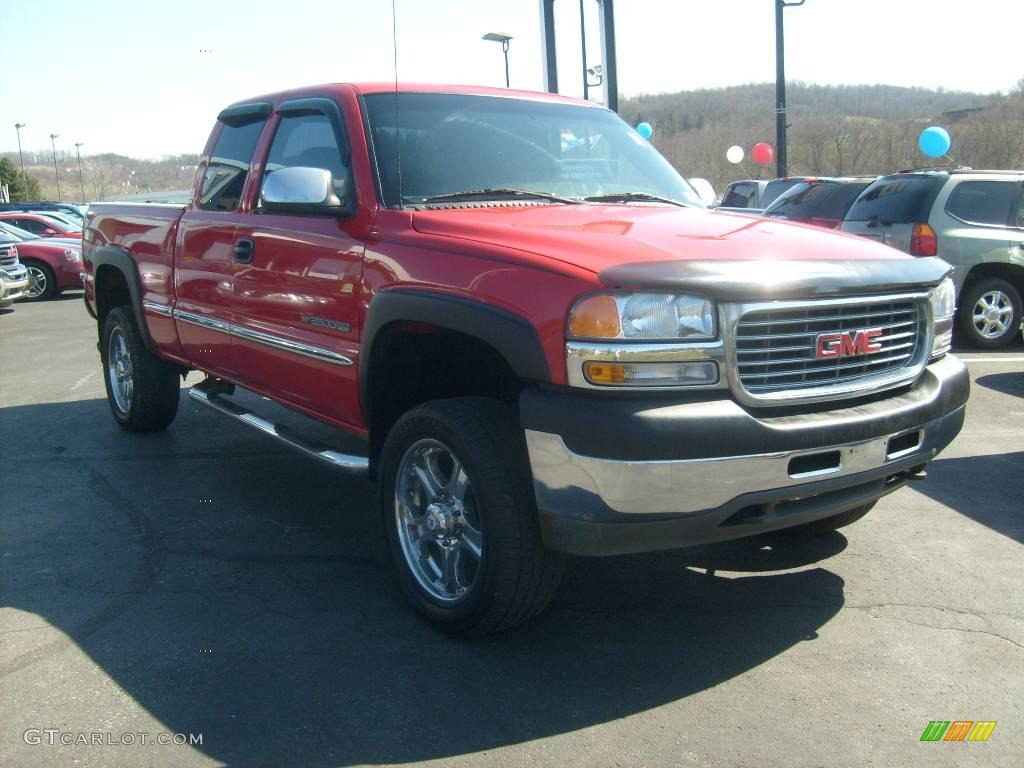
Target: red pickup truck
x=547, y=343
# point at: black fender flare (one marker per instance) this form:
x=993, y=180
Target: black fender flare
x=122, y=261
x=514, y=337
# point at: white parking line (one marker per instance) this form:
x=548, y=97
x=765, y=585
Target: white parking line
x=82, y=380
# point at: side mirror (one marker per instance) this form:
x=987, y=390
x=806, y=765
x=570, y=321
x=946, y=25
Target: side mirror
x=704, y=190
x=306, y=190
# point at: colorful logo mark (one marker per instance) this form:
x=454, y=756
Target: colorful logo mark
x=958, y=730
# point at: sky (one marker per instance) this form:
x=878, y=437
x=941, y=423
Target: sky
x=146, y=79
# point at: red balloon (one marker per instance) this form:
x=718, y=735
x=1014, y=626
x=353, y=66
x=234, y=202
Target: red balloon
x=762, y=153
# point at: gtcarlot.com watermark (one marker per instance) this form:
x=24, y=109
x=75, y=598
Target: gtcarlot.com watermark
x=55, y=736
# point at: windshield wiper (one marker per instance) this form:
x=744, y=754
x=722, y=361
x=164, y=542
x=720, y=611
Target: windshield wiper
x=499, y=192
x=629, y=197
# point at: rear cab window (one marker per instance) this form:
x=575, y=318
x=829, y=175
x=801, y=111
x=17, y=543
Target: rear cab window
x=899, y=199
x=742, y=195
x=987, y=203
x=231, y=158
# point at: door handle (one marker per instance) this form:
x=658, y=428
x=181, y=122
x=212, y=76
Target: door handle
x=243, y=250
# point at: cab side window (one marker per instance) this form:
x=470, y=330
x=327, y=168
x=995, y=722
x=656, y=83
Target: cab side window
x=307, y=140
x=229, y=166
x=740, y=196
x=983, y=202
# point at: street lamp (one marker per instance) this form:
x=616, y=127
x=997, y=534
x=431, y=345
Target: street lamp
x=81, y=179
x=497, y=37
x=53, y=145
x=780, y=87
x=18, y=127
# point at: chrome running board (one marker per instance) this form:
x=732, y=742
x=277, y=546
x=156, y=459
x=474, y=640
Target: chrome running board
x=353, y=465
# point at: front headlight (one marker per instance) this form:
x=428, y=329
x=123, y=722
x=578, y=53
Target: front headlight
x=943, y=301
x=643, y=317
x=72, y=256
x=653, y=340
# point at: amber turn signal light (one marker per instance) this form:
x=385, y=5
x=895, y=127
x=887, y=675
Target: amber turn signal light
x=596, y=317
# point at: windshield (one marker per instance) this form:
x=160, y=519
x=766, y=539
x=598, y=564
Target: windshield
x=61, y=221
x=451, y=143
x=18, y=232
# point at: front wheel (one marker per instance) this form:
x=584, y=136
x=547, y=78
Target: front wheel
x=42, y=283
x=457, y=500
x=142, y=389
x=989, y=313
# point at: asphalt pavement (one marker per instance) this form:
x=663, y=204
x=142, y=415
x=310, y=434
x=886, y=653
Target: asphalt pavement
x=205, y=582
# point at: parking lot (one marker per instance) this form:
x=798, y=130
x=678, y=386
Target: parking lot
x=206, y=581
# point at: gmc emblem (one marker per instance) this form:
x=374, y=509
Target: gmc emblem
x=848, y=343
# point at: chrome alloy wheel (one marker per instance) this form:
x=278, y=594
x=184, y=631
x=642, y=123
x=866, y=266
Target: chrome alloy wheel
x=992, y=314
x=36, y=283
x=438, y=522
x=119, y=370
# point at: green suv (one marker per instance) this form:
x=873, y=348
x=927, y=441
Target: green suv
x=972, y=219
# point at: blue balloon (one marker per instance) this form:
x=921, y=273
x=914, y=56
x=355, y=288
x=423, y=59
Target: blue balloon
x=934, y=141
x=645, y=130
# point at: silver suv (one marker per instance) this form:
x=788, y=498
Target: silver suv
x=972, y=219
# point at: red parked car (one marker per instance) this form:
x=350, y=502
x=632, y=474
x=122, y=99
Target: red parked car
x=42, y=224
x=54, y=264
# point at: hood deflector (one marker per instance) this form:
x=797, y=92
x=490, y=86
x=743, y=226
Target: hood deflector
x=742, y=280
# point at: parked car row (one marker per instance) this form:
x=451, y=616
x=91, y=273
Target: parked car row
x=46, y=240
x=972, y=219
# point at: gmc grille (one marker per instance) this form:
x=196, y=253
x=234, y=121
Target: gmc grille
x=8, y=259
x=777, y=350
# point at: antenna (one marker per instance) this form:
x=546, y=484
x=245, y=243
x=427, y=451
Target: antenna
x=398, y=135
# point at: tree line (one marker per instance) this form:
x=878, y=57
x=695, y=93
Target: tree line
x=833, y=130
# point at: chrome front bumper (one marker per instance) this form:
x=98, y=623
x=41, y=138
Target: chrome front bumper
x=669, y=476
x=13, y=283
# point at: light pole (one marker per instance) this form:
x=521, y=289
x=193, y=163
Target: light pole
x=497, y=37
x=81, y=179
x=21, y=157
x=53, y=145
x=780, y=87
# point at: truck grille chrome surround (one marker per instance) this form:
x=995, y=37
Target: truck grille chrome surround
x=8, y=258
x=812, y=351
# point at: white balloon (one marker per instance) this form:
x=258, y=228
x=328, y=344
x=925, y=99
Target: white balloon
x=734, y=154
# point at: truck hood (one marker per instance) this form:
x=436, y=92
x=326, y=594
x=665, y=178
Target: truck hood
x=721, y=254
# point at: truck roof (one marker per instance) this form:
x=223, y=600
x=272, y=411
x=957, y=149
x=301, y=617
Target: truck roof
x=367, y=88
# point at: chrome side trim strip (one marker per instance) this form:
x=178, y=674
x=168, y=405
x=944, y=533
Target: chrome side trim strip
x=355, y=465
x=260, y=337
x=287, y=345
x=158, y=309
x=202, y=321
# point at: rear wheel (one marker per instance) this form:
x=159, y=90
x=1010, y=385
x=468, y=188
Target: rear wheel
x=458, y=508
x=42, y=283
x=829, y=524
x=142, y=389
x=989, y=313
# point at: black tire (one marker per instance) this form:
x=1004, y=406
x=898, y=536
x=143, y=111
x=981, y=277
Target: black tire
x=152, y=401
x=515, y=577
x=827, y=525
x=992, y=292
x=42, y=281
